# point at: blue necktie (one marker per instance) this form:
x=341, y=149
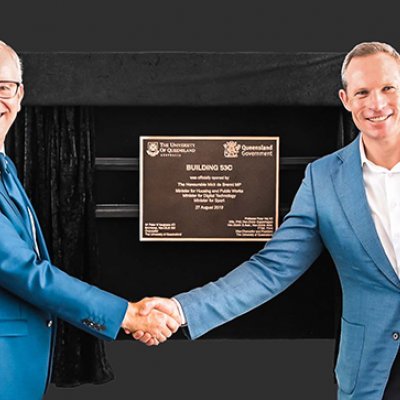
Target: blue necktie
x=15, y=192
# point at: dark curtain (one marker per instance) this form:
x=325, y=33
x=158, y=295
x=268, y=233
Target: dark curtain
x=53, y=149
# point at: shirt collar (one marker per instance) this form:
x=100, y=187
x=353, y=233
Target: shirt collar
x=372, y=166
x=363, y=156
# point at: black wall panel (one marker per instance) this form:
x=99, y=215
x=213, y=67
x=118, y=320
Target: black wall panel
x=135, y=269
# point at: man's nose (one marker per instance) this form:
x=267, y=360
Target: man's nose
x=377, y=101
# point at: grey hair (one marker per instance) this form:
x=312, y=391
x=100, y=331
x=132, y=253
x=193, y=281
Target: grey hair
x=367, y=49
x=15, y=56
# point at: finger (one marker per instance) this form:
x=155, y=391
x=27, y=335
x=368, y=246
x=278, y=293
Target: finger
x=138, y=334
x=172, y=325
x=127, y=331
x=162, y=338
x=164, y=331
x=160, y=323
x=146, y=338
x=153, y=342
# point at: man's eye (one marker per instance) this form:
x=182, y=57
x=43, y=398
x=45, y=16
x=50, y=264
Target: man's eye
x=389, y=88
x=361, y=93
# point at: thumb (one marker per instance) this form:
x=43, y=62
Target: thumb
x=167, y=307
x=148, y=306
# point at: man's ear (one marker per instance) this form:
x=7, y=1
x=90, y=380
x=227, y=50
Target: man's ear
x=20, y=95
x=344, y=99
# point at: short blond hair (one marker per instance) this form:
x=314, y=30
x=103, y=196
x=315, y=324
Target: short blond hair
x=14, y=55
x=367, y=49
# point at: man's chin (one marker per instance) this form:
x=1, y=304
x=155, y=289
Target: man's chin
x=378, y=134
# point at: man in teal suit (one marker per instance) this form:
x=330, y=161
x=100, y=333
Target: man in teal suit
x=33, y=292
x=349, y=202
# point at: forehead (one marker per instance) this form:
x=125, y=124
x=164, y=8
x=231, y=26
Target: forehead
x=8, y=65
x=372, y=70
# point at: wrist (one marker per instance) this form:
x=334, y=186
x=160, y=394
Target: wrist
x=180, y=311
x=128, y=321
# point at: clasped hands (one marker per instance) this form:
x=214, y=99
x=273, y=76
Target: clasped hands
x=152, y=320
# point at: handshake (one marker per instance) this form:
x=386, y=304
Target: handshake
x=152, y=320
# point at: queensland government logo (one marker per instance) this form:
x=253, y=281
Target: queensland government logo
x=152, y=149
x=231, y=149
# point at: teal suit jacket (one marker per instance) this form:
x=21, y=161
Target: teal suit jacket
x=330, y=209
x=33, y=292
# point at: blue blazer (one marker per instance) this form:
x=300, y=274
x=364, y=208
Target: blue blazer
x=330, y=209
x=33, y=293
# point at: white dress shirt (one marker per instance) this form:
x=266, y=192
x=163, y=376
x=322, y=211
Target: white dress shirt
x=382, y=187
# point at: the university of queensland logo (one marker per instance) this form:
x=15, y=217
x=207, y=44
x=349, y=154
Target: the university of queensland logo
x=231, y=149
x=152, y=149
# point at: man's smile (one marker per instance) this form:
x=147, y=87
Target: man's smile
x=380, y=118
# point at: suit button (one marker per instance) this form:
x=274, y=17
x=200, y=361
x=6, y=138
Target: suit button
x=395, y=335
x=49, y=323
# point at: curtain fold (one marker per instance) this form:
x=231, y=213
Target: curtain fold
x=53, y=149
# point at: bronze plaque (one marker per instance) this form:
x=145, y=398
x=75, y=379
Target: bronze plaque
x=208, y=188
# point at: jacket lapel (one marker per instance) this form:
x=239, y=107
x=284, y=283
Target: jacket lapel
x=10, y=211
x=349, y=185
x=43, y=252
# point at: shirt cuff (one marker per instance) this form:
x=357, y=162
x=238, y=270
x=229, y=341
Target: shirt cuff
x=181, y=313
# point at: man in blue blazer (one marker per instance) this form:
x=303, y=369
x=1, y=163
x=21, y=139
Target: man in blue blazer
x=33, y=292
x=349, y=202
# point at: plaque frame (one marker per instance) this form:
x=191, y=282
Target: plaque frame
x=142, y=139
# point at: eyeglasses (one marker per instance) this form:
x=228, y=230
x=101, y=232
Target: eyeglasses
x=8, y=89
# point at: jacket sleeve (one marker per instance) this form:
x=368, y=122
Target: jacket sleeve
x=45, y=286
x=291, y=251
